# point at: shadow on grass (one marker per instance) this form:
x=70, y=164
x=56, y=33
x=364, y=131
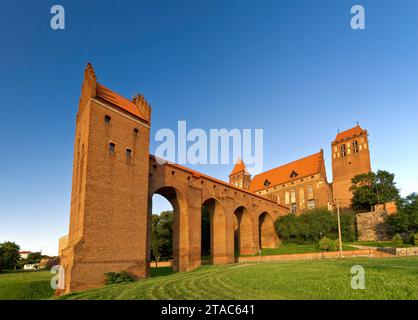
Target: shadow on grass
x=161, y=271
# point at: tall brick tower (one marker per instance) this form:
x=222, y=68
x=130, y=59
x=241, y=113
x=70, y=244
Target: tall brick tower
x=239, y=176
x=350, y=157
x=109, y=204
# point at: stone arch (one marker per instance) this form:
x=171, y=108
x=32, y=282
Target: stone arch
x=180, y=226
x=243, y=231
x=218, y=239
x=267, y=231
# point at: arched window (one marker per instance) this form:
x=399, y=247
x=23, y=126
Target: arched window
x=310, y=192
x=355, y=146
x=293, y=196
x=286, y=196
x=343, y=151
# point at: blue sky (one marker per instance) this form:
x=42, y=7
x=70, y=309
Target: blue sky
x=293, y=68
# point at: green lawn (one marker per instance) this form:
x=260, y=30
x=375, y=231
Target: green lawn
x=389, y=278
x=290, y=248
x=25, y=285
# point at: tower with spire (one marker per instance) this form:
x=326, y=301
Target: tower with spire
x=239, y=176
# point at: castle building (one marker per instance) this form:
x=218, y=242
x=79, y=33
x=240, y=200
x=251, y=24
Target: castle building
x=302, y=184
x=350, y=157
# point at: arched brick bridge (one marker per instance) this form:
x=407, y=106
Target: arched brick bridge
x=231, y=209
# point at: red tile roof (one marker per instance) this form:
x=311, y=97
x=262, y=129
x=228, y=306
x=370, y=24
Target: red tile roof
x=304, y=167
x=119, y=101
x=349, y=133
x=239, y=167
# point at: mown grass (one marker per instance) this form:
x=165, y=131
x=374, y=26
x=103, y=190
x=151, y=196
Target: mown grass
x=389, y=278
x=25, y=285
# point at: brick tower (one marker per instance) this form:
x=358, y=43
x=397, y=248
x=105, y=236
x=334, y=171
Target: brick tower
x=109, y=204
x=350, y=157
x=239, y=176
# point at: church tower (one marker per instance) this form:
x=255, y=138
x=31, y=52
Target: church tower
x=109, y=204
x=239, y=176
x=350, y=157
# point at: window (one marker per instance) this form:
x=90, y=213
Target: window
x=278, y=198
x=107, y=119
x=293, y=174
x=301, y=195
x=293, y=208
x=136, y=132
x=128, y=153
x=112, y=148
x=310, y=192
x=293, y=196
x=266, y=183
x=355, y=146
x=286, y=196
x=311, y=204
x=240, y=183
x=342, y=149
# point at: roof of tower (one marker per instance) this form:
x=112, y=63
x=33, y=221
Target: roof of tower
x=239, y=167
x=100, y=91
x=119, y=101
x=350, y=133
x=307, y=166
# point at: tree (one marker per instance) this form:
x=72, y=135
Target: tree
x=155, y=245
x=406, y=219
x=372, y=188
x=34, y=257
x=162, y=235
x=165, y=226
x=313, y=225
x=9, y=255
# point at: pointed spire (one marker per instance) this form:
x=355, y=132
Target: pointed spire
x=239, y=167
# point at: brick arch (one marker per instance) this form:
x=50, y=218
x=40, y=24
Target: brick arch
x=218, y=231
x=244, y=231
x=180, y=228
x=266, y=230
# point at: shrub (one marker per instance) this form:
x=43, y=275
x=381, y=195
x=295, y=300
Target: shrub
x=313, y=224
x=327, y=244
x=397, y=239
x=117, y=277
x=415, y=243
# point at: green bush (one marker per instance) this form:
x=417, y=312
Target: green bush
x=313, y=224
x=415, y=243
x=397, y=239
x=117, y=277
x=327, y=244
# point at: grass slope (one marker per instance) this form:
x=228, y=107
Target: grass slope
x=390, y=278
x=25, y=285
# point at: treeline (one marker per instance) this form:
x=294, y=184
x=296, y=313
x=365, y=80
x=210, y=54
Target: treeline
x=10, y=258
x=313, y=225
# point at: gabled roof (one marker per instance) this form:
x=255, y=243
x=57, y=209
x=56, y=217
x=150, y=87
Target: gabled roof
x=304, y=167
x=119, y=101
x=355, y=131
x=239, y=167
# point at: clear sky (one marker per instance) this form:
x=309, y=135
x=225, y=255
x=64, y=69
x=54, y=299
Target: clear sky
x=293, y=68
